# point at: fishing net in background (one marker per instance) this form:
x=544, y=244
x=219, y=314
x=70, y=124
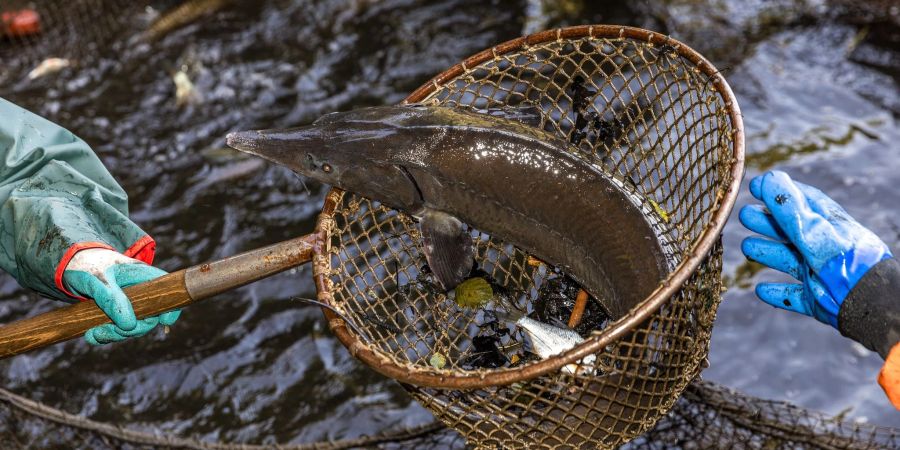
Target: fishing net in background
x=645, y=90
x=706, y=416
x=47, y=36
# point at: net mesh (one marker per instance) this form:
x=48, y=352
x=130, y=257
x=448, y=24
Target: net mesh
x=658, y=123
x=706, y=416
x=713, y=416
x=644, y=114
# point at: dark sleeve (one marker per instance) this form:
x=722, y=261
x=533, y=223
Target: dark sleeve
x=870, y=314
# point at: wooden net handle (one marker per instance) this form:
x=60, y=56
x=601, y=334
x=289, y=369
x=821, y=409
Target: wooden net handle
x=172, y=291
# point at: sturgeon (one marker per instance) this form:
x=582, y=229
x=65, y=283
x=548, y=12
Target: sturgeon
x=448, y=167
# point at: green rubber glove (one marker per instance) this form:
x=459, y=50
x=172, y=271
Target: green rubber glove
x=100, y=274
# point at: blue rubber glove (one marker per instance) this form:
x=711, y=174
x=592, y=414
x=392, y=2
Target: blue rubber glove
x=101, y=274
x=811, y=238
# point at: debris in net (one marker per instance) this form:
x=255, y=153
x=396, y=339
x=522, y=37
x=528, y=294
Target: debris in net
x=666, y=50
x=486, y=351
x=49, y=66
x=473, y=293
x=380, y=323
x=607, y=129
x=578, y=310
x=438, y=360
x=424, y=282
x=534, y=262
x=581, y=99
x=185, y=92
x=556, y=301
x=659, y=210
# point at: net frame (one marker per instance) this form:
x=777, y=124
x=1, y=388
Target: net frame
x=692, y=260
x=670, y=329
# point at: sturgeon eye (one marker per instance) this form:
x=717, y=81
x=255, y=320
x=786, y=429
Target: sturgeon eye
x=312, y=164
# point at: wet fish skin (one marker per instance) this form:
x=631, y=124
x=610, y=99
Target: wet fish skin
x=511, y=180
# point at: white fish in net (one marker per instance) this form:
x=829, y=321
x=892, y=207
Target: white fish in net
x=548, y=340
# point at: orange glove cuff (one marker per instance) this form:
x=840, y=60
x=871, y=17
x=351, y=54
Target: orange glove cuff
x=889, y=378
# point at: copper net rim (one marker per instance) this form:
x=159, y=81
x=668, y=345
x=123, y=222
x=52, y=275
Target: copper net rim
x=666, y=289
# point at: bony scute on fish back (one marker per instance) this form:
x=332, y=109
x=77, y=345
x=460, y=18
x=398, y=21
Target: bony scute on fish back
x=473, y=293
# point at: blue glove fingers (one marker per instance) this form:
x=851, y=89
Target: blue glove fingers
x=773, y=254
x=106, y=290
x=169, y=318
x=758, y=220
x=787, y=296
x=108, y=333
x=826, y=308
x=143, y=327
x=103, y=334
x=821, y=203
x=131, y=274
x=811, y=233
x=756, y=186
x=113, y=301
x=90, y=339
x=846, y=225
x=108, y=297
x=116, y=304
x=838, y=217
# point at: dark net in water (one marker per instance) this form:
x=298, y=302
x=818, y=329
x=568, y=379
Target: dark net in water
x=552, y=74
x=706, y=416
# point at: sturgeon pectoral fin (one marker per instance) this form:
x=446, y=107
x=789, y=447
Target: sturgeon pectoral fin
x=448, y=248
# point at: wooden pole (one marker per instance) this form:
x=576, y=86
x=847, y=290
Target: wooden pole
x=172, y=291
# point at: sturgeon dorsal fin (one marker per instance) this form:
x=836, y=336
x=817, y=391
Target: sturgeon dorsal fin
x=448, y=248
x=525, y=114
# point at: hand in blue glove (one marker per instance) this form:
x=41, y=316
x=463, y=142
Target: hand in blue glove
x=811, y=238
x=101, y=274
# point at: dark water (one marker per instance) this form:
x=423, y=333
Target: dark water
x=817, y=82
